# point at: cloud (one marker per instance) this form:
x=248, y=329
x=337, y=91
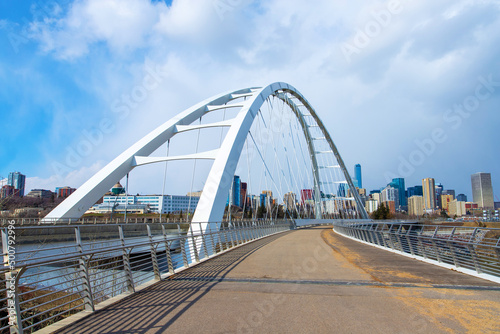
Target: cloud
x=122, y=25
x=73, y=179
x=393, y=91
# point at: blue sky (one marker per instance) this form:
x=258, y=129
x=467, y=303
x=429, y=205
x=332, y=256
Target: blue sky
x=387, y=78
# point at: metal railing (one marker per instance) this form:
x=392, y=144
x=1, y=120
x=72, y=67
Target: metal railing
x=94, y=220
x=51, y=272
x=467, y=249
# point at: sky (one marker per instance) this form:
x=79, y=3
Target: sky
x=406, y=88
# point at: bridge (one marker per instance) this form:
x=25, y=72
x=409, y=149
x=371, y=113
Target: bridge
x=314, y=263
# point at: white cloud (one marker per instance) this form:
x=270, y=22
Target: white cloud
x=123, y=25
x=73, y=179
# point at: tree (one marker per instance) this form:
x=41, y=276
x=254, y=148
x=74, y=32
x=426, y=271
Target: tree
x=261, y=211
x=382, y=212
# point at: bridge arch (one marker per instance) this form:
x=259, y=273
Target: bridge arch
x=214, y=195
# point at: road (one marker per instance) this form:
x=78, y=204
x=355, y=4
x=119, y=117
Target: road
x=306, y=281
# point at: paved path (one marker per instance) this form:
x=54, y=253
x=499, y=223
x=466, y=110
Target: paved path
x=306, y=281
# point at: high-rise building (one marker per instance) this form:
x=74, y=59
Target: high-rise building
x=415, y=191
x=243, y=194
x=399, y=184
x=357, y=176
x=416, y=206
x=371, y=205
x=439, y=191
x=445, y=201
x=17, y=180
x=390, y=194
x=482, y=191
x=449, y=192
x=342, y=190
x=429, y=194
x=461, y=198
x=235, y=192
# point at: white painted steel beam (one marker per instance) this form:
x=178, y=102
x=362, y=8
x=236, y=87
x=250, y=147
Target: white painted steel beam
x=209, y=155
x=184, y=128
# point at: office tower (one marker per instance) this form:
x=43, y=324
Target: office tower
x=439, y=191
x=390, y=194
x=235, y=192
x=357, y=176
x=342, y=190
x=243, y=194
x=482, y=191
x=17, y=180
x=416, y=206
x=399, y=184
x=461, y=198
x=415, y=191
x=449, y=192
x=429, y=190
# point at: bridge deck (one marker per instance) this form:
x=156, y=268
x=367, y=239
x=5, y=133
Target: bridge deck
x=303, y=281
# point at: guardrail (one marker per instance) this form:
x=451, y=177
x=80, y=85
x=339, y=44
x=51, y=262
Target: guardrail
x=467, y=249
x=51, y=272
x=85, y=221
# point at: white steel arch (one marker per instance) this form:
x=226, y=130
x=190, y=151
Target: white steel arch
x=213, y=199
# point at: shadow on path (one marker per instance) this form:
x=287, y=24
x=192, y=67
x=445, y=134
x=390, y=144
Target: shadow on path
x=157, y=307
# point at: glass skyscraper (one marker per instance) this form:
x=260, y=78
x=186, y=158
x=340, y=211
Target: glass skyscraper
x=236, y=192
x=357, y=176
x=399, y=184
x=17, y=180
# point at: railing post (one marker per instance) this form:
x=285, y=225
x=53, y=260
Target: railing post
x=230, y=235
x=182, y=242
x=167, y=250
x=422, y=246
x=154, y=258
x=472, y=251
x=451, y=247
x=251, y=230
x=391, y=242
x=84, y=270
x=126, y=261
x=408, y=239
x=203, y=241
x=194, y=248
x=212, y=243
x=238, y=233
x=219, y=233
x=436, y=248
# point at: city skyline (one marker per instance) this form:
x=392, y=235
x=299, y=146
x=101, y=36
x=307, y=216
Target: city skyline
x=72, y=104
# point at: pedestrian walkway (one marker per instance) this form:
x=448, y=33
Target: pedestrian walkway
x=306, y=281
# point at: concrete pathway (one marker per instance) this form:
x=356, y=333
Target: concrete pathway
x=306, y=281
